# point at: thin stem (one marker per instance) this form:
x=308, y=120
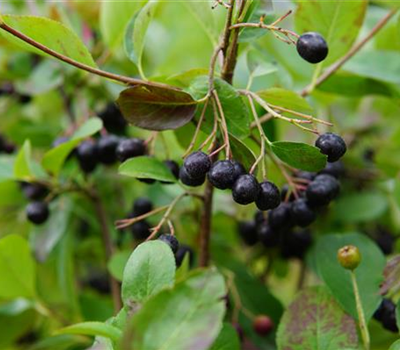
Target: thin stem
x=298, y=114
x=272, y=28
x=112, y=76
x=224, y=125
x=360, y=312
x=120, y=224
x=357, y=47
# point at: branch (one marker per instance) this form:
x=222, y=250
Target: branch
x=337, y=65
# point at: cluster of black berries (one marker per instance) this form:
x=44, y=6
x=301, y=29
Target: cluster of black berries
x=386, y=314
x=285, y=226
x=312, y=47
x=37, y=211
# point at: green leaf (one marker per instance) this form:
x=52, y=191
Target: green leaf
x=55, y=158
x=156, y=108
x=22, y=165
x=338, y=22
x=365, y=207
x=62, y=39
x=114, y=17
x=395, y=345
x=185, y=79
x=227, y=339
x=94, y=329
x=150, y=268
x=185, y=318
x=17, y=268
x=235, y=110
x=314, y=321
x=369, y=273
x=241, y=152
x=391, y=275
x=117, y=264
x=6, y=168
x=285, y=98
x=136, y=32
x=299, y=155
x=146, y=168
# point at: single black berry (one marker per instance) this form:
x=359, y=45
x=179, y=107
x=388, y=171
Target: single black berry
x=280, y=217
x=322, y=190
x=107, y=146
x=188, y=181
x=222, y=174
x=312, y=47
x=239, y=169
x=197, y=164
x=130, y=148
x=260, y=217
x=142, y=206
x=267, y=236
x=386, y=314
x=173, y=167
x=141, y=230
x=248, y=232
x=183, y=251
x=113, y=120
x=306, y=175
x=335, y=169
x=269, y=196
x=34, y=190
x=87, y=154
x=295, y=244
x=386, y=241
x=37, y=212
x=99, y=281
x=171, y=240
x=331, y=145
x=246, y=189
x=301, y=213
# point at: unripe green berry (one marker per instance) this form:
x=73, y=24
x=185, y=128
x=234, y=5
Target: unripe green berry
x=349, y=257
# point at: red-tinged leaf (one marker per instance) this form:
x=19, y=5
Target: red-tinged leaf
x=391, y=275
x=156, y=108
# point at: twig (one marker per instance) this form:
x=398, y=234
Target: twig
x=357, y=47
x=120, y=224
x=224, y=125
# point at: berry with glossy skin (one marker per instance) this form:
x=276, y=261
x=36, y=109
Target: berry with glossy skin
x=239, y=169
x=301, y=213
x=197, y=164
x=280, y=217
x=248, y=232
x=295, y=244
x=335, y=169
x=113, y=120
x=141, y=230
x=34, y=191
x=107, y=146
x=37, y=212
x=260, y=218
x=173, y=167
x=222, y=174
x=267, y=236
x=183, y=251
x=269, y=196
x=129, y=148
x=246, y=189
x=349, y=257
x=171, y=240
x=263, y=325
x=142, y=206
x=188, y=181
x=87, y=154
x=331, y=145
x=312, y=47
x=322, y=190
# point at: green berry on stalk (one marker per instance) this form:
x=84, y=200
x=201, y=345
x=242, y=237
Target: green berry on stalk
x=349, y=257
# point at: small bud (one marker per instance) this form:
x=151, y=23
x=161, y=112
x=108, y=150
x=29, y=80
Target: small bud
x=349, y=257
x=263, y=325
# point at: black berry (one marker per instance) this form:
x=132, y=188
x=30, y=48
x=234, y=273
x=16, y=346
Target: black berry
x=386, y=314
x=301, y=213
x=99, y=282
x=295, y=244
x=184, y=250
x=171, y=240
x=306, y=175
x=142, y=206
x=322, y=190
x=335, y=169
x=87, y=154
x=385, y=240
x=107, y=146
x=222, y=174
x=37, y=212
x=246, y=189
x=248, y=232
x=269, y=196
x=141, y=230
x=188, y=181
x=280, y=217
x=173, y=167
x=312, y=47
x=34, y=191
x=197, y=165
x=267, y=236
x=331, y=145
x=239, y=168
x=113, y=120
x=130, y=148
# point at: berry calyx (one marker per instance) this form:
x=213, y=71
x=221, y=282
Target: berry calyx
x=188, y=181
x=197, y=164
x=248, y=232
x=269, y=196
x=331, y=145
x=130, y=148
x=245, y=190
x=171, y=240
x=37, y=212
x=349, y=257
x=222, y=174
x=312, y=47
x=107, y=146
x=263, y=325
x=301, y=212
x=87, y=154
x=142, y=206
